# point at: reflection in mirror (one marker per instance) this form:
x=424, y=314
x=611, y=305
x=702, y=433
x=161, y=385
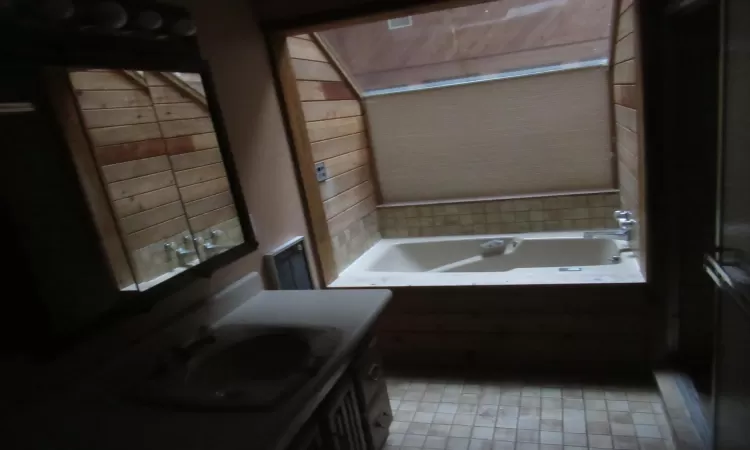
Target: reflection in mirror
x=155, y=147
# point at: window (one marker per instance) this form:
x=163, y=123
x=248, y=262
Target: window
x=401, y=22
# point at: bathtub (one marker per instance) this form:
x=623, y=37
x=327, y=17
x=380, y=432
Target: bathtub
x=527, y=259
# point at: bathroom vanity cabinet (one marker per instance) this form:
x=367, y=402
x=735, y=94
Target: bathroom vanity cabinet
x=356, y=413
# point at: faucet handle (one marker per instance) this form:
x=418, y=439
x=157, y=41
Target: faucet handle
x=626, y=223
x=623, y=215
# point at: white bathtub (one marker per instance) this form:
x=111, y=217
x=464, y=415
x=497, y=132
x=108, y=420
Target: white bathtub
x=531, y=258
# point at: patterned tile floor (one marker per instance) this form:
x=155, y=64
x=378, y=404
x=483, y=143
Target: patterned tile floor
x=456, y=415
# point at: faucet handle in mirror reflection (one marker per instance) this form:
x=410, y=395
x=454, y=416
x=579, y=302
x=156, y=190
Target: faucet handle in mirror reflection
x=212, y=246
x=181, y=253
x=622, y=215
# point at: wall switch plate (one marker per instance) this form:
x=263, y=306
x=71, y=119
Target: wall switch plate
x=321, y=173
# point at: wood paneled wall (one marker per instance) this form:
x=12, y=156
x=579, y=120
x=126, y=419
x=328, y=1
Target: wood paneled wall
x=336, y=135
x=629, y=120
x=158, y=156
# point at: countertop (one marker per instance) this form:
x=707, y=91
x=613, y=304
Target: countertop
x=96, y=417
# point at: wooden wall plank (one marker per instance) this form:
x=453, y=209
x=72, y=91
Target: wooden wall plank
x=205, y=189
x=324, y=90
x=151, y=217
x=331, y=109
x=209, y=203
x=329, y=129
x=112, y=99
x=347, y=180
x=190, y=160
x=625, y=49
x=215, y=217
x=140, y=185
x=626, y=117
x=157, y=233
x=338, y=146
x=124, y=134
x=629, y=160
x=305, y=49
x=167, y=94
x=200, y=174
x=314, y=71
x=142, y=202
x=347, y=217
x=625, y=72
x=95, y=118
x=101, y=80
x=184, y=144
x=347, y=199
x=175, y=128
x=174, y=111
x=114, y=154
x=626, y=23
x=627, y=139
x=136, y=168
x=626, y=95
x=344, y=163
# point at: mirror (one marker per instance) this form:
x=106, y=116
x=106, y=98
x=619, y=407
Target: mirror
x=158, y=160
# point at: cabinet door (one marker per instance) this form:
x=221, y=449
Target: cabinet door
x=343, y=419
x=156, y=155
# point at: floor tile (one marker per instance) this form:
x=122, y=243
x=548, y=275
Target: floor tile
x=640, y=407
x=644, y=419
x=394, y=404
x=443, y=418
x=408, y=406
x=472, y=389
x=600, y=405
x=403, y=416
x=551, y=425
x=622, y=429
x=573, y=403
x=551, y=392
x=617, y=405
x=482, y=433
x=527, y=436
x=551, y=403
x=489, y=398
x=600, y=441
x=472, y=399
x=534, y=402
x=464, y=419
x=652, y=444
x=413, y=440
x=467, y=408
x=531, y=391
x=647, y=431
x=427, y=407
x=438, y=430
x=398, y=427
x=456, y=443
x=572, y=393
x=435, y=442
x=505, y=434
x=423, y=417
x=434, y=397
x=621, y=417
x=480, y=444
x=596, y=416
x=575, y=439
x=598, y=428
x=510, y=400
x=395, y=438
x=460, y=431
x=527, y=446
x=503, y=445
x=625, y=442
x=550, y=447
x=551, y=437
x=418, y=428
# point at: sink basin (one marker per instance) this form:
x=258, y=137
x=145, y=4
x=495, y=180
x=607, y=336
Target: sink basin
x=239, y=367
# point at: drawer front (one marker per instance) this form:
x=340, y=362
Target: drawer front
x=370, y=372
x=379, y=417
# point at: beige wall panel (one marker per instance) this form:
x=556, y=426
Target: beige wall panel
x=334, y=109
x=529, y=135
x=136, y=168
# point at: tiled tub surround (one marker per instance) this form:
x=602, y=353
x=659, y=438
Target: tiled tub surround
x=512, y=215
x=430, y=261
x=350, y=243
x=508, y=415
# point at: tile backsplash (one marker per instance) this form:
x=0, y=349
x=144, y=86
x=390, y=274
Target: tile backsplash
x=544, y=213
x=353, y=241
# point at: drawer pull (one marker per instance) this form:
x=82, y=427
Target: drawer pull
x=375, y=372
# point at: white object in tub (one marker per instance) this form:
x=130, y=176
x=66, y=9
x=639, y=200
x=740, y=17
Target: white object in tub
x=532, y=258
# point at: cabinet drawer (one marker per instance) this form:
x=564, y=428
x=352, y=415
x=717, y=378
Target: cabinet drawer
x=379, y=417
x=370, y=372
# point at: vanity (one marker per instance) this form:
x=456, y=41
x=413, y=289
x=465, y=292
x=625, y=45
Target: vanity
x=342, y=404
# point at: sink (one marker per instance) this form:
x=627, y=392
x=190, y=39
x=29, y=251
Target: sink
x=239, y=367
